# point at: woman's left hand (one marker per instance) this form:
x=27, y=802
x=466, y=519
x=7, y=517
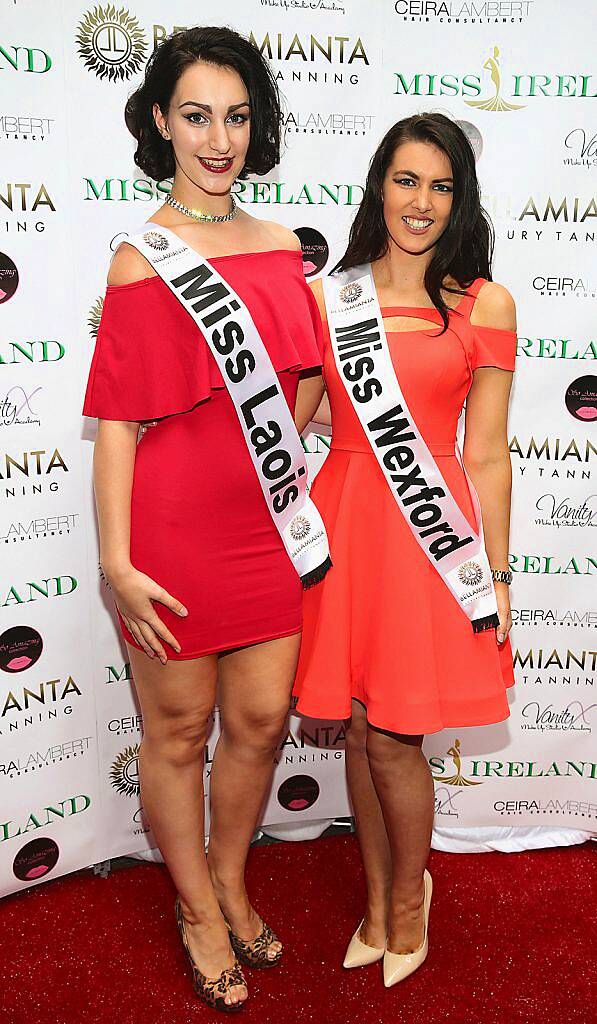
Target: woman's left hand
x=502, y=595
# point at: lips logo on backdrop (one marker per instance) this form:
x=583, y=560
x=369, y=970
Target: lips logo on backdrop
x=36, y=859
x=581, y=398
x=9, y=278
x=20, y=648
x=315, y=250
x=124, y=774
x=298, y=792
x=111, y=42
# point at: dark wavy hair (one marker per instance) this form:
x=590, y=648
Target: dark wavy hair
x=224, y=48
x=465, y=249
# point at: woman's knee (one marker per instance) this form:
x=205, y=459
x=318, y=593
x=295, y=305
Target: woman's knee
x=389, y=750
x=356, y=730
x=259, y=729
x=180, y=738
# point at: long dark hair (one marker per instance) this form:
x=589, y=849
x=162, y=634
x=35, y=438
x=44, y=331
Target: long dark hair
x=465, y=249
x=214, y=45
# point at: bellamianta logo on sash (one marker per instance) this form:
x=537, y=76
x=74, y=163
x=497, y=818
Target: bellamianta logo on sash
x=364, y=364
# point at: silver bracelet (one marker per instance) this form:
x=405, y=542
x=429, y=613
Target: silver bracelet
x=502, y=576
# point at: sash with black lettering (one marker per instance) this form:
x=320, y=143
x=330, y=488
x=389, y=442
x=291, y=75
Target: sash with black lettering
x=266, y=421
x=365, y=368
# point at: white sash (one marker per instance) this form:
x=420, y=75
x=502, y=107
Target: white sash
x=365, y=368
x=266, y=421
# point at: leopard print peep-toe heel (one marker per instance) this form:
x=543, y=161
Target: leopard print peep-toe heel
x=212, y=991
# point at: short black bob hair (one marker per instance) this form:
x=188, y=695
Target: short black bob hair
x=224, y=48
x=464, y=251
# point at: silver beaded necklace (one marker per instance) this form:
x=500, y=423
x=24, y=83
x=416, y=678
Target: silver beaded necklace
x=213, y=218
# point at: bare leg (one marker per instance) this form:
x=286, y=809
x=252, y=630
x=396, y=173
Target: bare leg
x=176, y=700
x=255, y=687
x=371, y=830
x=404, y=788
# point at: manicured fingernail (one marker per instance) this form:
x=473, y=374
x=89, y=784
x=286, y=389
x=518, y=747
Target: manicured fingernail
x=177, y=649
x=500, y=638
x=183, y=611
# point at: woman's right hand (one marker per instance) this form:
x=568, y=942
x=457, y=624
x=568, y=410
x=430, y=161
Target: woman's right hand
x=134, y=593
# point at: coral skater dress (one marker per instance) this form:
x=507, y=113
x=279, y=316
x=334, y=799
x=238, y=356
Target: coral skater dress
x=200, y=526
x=383, y=627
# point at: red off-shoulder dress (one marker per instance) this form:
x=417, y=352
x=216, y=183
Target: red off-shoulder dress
x=200, y=526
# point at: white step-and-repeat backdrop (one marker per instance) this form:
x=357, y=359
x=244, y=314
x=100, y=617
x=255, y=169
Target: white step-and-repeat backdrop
x=520, y=77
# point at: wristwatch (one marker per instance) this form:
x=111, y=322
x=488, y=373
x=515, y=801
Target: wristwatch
x=502, y=576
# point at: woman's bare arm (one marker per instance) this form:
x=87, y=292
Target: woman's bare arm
x=486, y=455
x=113, y=465
x=311, y=400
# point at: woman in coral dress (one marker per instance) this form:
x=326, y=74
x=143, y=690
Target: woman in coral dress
x=385, y=644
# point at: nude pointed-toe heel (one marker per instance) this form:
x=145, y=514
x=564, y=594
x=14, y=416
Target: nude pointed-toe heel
x=397, y=966
x=359, y=954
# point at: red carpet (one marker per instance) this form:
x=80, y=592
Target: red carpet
x=512, y=939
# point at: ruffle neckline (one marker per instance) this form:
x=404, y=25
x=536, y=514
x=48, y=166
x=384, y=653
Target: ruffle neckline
x=150, y=359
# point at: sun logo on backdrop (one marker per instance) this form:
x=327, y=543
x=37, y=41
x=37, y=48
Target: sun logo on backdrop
x=111, y=42
x=95, y=315
x=124, y=774
x=495, y=102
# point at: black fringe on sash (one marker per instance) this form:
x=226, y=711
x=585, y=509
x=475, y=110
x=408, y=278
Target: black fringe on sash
x=488, y=622
x=311, y=579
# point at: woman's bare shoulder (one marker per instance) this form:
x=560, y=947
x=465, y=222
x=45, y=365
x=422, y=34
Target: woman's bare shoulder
x=494, y=307
x=128, y=266
x=281, y=237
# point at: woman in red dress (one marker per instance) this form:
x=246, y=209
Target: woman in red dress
x=385, y=644
x=203, y=585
